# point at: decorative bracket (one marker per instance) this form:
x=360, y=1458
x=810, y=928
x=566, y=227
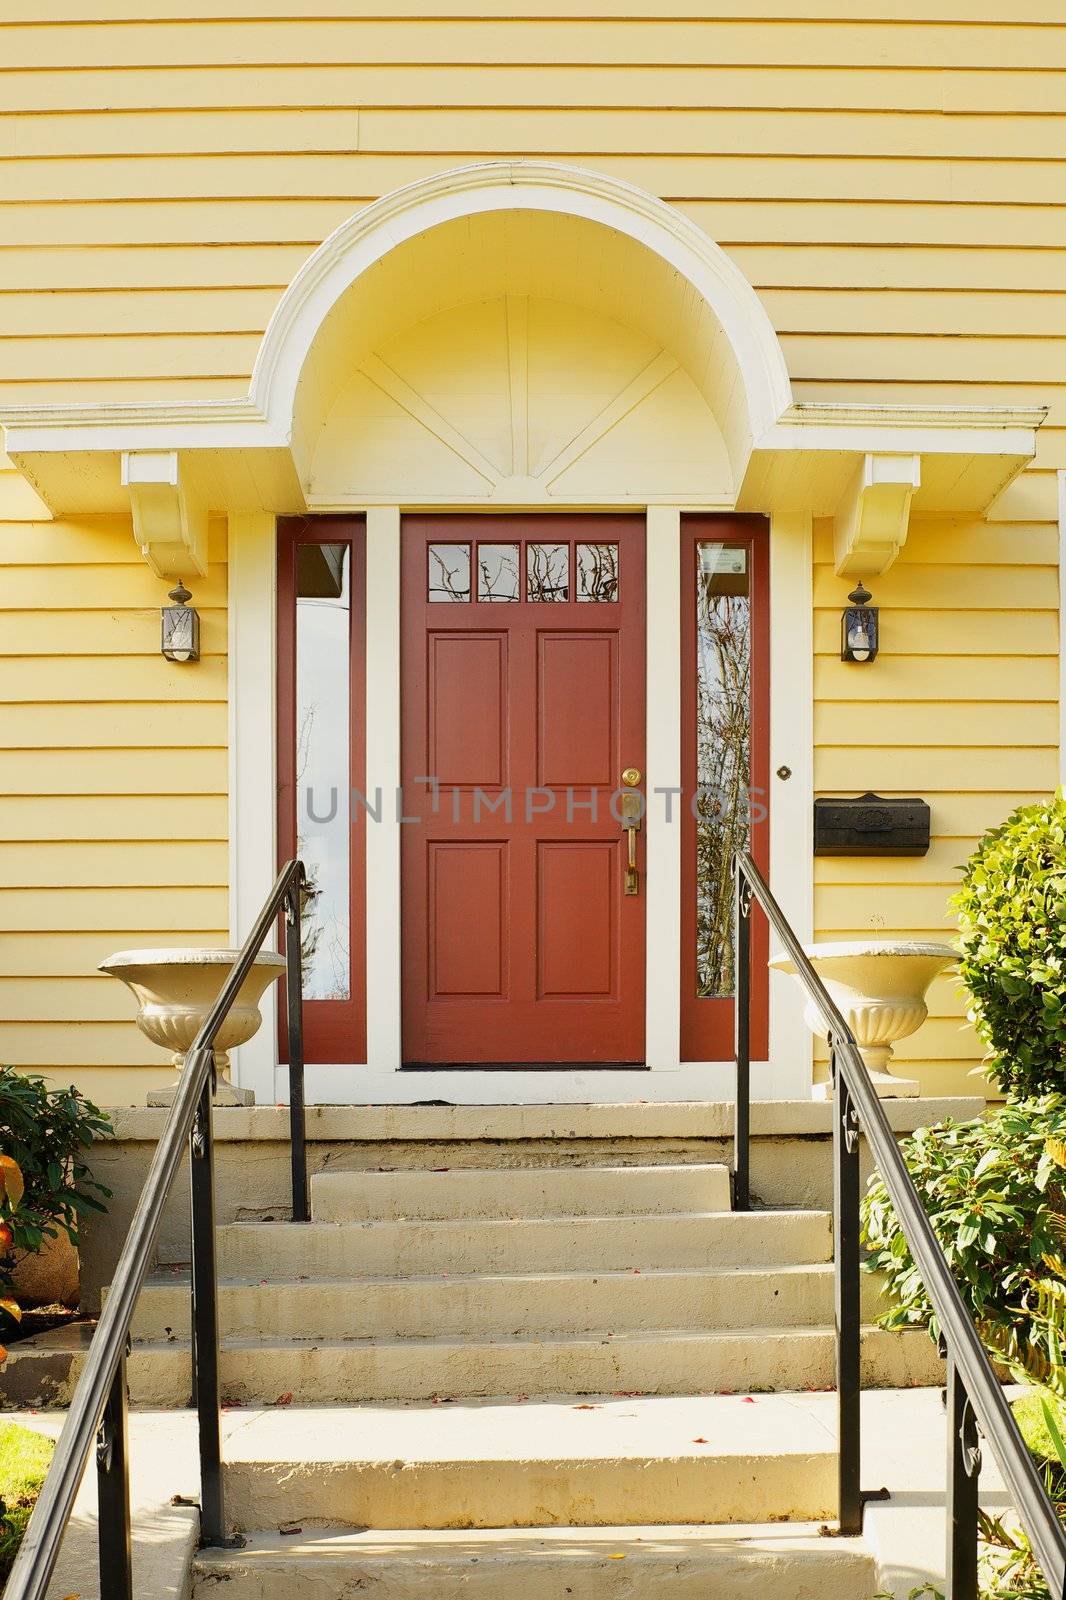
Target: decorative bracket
x=872, y=521
x=169, y=523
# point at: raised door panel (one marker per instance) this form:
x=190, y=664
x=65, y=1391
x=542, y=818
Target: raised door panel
x=467, y=690
x=577, y=697
x=577, y=935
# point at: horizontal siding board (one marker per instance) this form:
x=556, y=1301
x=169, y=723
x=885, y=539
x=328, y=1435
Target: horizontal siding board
x=592, y=85
x=977, y=680
x=678, y=175
x=67, y=819
x=99, y=999
x=88, y=588
x=165, y=908
x=487, y=128
x=896, y=11
x=80, y=725
x=650, y=40
x=115, y=771
x=36, y=954
x=962, y=544
x=932, y=634
x=941, y=865
x=858, y=725
x=203, y=218
x=915, y=769
x=938, y=588
x=117, y=678
x=69, y=1045
x=236, y=309
x=89, y=863
x=79, y=541
x=119, y=633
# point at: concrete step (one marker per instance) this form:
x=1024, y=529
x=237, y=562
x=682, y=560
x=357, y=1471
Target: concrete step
x=497, y=1304
x=771, y=1561
x=519, y=1192
x=531, y=1244
x=562, y=1463
x=42, y=1371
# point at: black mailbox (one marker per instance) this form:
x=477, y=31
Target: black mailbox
x=871, y=825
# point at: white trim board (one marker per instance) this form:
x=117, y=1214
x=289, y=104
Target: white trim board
x=359, y=1085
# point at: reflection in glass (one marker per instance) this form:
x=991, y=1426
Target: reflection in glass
x=449, y=572
x=548, y=571
x=497, y=572
x=323, y=765
x=597, y=572
x=723, y=753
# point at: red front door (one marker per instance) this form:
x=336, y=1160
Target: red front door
x=523, y=702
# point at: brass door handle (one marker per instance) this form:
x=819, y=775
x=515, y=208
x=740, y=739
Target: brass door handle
x=632, y=811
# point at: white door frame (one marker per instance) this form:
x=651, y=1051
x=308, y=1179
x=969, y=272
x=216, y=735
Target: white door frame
x=253, y=827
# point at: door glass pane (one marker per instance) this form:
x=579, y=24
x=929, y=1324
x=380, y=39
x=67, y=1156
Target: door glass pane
x=597, y=572
x=548, y=571
x=497, y=572
x=323, y=764
x=449, y=572
x=723, y=752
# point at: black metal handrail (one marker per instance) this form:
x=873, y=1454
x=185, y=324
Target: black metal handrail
x=975, y=1399
x=98, y=1409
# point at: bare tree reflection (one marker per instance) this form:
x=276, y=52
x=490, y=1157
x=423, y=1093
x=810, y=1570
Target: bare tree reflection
x=597, y=572
x=723, y=757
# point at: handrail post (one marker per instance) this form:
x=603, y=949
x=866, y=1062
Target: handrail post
x=847, y=1292
x=742, y=1038
x=294, y=1005
x=113, y=1493
x=205, y=1347
x=964, y=1466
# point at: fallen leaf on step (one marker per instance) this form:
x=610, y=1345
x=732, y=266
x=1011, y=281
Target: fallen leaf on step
x=586, y=1407
x=619, y=1555
x=284, y=1399
x=699, y=1441
x=748, y=1400
x=289, y=1529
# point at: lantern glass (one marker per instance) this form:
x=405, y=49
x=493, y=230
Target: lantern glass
x=859, y=641
x=181, y=633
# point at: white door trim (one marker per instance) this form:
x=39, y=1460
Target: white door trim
x=253, y=762
x=253, y=847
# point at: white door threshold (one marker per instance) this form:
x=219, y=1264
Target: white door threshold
x=356, y=1084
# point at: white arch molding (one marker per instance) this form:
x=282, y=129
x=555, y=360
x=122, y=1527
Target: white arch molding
x=721, y=325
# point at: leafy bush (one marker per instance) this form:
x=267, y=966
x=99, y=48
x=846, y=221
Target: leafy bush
x=1012, y=915
x=47, y=1132
x=995, y=1192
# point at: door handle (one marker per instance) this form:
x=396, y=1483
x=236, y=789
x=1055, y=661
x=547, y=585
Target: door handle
x=632, y=812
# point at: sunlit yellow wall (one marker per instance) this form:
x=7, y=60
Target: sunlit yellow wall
x=961, y=708
x=893, y=200
x=113, y=796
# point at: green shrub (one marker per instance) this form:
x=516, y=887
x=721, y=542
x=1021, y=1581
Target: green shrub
x=995, y=1192
x=48, y=1132
x=1012, y=916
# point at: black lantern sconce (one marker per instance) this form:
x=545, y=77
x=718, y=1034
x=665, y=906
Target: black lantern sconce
x=181, y=627
x=858, y=627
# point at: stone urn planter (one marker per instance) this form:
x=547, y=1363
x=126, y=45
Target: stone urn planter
x=879, y=987
x=175, y=989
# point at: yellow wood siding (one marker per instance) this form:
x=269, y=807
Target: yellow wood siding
x=892, y=185
x=113, y=806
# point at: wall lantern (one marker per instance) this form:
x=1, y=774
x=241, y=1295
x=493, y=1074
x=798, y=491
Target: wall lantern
x=858, y=627
x=181, y=627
